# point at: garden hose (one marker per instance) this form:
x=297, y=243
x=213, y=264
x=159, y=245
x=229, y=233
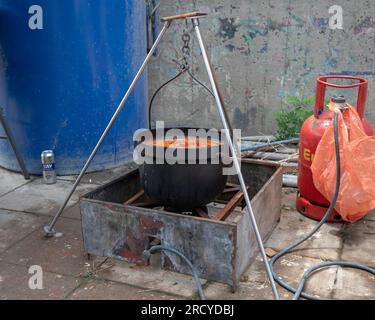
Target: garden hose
x=299, y=291
x=198, y=284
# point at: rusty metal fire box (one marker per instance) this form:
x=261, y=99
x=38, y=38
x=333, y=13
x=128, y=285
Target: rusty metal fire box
x=118, y=221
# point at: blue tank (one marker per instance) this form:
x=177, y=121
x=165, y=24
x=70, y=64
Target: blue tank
x=64, y=67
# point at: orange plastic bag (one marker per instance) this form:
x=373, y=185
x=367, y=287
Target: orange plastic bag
x=357, y=154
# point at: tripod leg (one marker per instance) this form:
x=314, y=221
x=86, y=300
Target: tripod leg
x=48, y=229
x=236, y=162
x=12, y=142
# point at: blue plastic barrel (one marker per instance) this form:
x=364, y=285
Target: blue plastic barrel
x=64, y=67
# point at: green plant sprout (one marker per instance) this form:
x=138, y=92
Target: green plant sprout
x=294, y=111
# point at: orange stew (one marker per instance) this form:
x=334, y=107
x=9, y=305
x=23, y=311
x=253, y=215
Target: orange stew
x=186, y=143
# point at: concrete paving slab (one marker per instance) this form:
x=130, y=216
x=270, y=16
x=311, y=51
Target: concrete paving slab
x=354, y=284
x=289, y=198
x=10, y=181
x=14, y=226
x=359, y=242
x=37, y=197
x=325, y=244
x=102, y=177
x=249, y=291
x=22, y=244
x=14, y=284
x=149, y=277
x=254, y=285
x=333, y=283
x=108, y=290
x=292, y=267
x=63, y=254
x=72, y=212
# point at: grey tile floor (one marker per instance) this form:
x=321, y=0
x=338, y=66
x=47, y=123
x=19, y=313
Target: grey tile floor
x=26, y=206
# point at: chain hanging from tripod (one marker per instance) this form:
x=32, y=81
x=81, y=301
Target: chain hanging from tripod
x=186, y=51
x=183, y=66
x=186, y=57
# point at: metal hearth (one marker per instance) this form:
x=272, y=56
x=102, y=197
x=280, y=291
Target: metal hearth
x=119, y=221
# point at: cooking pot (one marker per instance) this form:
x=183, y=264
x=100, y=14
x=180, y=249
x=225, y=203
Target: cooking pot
x=185, y=179
x=197, y=178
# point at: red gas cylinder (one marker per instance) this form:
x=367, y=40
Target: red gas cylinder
x=310, y=201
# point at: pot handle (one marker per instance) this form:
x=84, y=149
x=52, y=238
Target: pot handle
x=157, y=92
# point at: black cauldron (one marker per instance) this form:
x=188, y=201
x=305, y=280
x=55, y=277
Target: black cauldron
x=196, y=180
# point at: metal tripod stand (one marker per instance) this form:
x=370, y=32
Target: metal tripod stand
x=194, y=16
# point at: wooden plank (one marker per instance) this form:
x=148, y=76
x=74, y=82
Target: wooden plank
x=231, y=205
x=134, y=198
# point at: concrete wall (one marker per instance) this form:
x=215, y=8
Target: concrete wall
x=263, y=51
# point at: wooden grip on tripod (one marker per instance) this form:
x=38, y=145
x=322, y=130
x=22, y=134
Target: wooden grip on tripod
x=182, y=16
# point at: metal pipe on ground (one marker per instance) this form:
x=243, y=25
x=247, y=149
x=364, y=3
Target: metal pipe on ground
x=290, y=181
x=270, y=144
x=260, y=138
x=273, y=156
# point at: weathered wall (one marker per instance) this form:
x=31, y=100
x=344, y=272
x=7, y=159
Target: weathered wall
x=263, y=51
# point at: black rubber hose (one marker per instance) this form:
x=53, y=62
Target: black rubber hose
x=299, y=291
x=323, y=265
x=198, y=284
